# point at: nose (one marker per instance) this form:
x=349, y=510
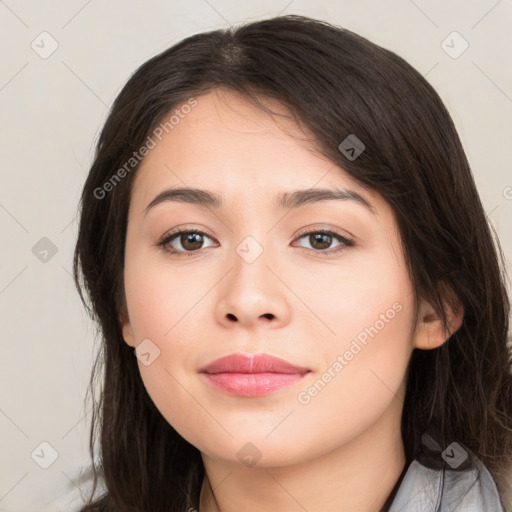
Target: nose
x=253, y=294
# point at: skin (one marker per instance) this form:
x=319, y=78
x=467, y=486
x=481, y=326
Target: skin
x=343, y=450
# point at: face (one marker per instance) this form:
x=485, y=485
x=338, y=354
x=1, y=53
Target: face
x=322, y=285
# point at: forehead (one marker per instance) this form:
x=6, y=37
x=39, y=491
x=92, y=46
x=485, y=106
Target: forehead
x=226, y=125
x=230, y=146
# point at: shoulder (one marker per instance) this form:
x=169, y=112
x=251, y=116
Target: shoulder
x=452, y=480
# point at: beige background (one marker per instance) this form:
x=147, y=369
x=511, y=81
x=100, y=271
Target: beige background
x=51, y=111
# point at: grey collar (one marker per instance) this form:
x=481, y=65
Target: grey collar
x=450, y=480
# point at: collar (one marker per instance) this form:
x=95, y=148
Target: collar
x=453, y=480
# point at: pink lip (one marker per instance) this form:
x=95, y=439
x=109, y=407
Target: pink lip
x=254, y=363
x=255, y=375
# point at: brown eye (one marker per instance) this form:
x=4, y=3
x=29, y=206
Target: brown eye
x=191, y=241
x=184, y=241
x=322, y=240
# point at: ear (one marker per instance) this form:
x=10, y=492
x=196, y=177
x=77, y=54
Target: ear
x=429, y=332
x=126, y=327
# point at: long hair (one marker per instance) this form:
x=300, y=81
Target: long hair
x=335, y=83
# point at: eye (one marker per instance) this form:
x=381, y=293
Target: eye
x=189, y=240
x=321, y=239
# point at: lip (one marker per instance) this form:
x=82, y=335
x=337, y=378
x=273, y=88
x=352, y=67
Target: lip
x=252, y=375
x=254, y=363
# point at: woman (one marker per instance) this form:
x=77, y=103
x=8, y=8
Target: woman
x=281, y=225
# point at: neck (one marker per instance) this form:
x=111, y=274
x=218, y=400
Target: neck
x=357, y=476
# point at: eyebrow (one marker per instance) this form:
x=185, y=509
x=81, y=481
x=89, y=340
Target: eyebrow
x=286, y=200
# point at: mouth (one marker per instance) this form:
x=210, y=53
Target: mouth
x=252, y=384
x=252, y=375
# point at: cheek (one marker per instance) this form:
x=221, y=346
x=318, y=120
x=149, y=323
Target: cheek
x=356, y=299
x=364, y=364
x=164, y=308
x=160, y=298
x=363, y=379
x=367, y=315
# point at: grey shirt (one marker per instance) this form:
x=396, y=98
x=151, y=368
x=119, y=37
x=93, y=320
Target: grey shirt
x=453, y=480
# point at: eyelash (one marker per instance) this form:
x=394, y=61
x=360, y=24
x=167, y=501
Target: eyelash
x=345, y=242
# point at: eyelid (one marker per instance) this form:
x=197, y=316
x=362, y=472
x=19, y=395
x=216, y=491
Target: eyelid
x=322, y=229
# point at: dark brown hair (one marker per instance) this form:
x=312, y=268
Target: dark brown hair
x=335, y=83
